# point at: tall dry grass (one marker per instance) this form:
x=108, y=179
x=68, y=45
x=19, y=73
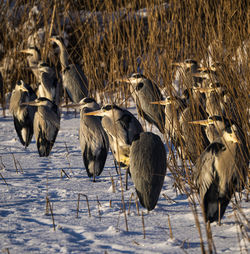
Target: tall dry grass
x=111, y=39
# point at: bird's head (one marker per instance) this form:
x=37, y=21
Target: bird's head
x=21, y=86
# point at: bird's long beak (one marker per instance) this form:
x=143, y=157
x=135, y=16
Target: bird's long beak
x=165, y=102
x=26, y=51
x=99, y=112
x=201, y=75
x=211, y=68
x=123, y=80
x=30, y=103
x=181, y=64
x=204, y=89
x=72, y=105
x=205, y=122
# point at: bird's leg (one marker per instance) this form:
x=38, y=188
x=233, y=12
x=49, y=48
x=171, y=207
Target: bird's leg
x=126, y=178
x=219, y=207
x=116, y=169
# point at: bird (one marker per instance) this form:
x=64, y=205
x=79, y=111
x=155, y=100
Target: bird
x=23, y=115
x=93, y=138
x=148, y=167
x=178, y=112
x=121, y=126
x=47, y=82
x=144, y=91
x=183, y=78
x=46, y=124
x=74, y=80
x=221, y=169
x=33, y=57
x=174, y=106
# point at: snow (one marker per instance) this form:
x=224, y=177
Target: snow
x=26, y=227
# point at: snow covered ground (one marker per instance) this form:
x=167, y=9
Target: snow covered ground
x=26, y=228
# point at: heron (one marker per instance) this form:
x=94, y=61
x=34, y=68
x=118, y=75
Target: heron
x=93, y=139
x=221, y=169
x=33, y=57
x=46, y=124
x=183, y=78
x=178, y=112
x=47, y=82
x=144, y=91
x=174, y=106
x=74, y=80
x=148, y=167
x=23, y=115
x=121, y=127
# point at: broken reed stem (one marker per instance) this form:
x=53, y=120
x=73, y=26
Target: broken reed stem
x=99, y=205
x=47, y=206
x=170, y=228
x=15, y=164
x=63, y=172
x=110, y=203
x=169, y=199
x=1, y=161
x=197, y=223
x=129, y=202
x=210, y=239
x=143, y=225
x=78, y=204
x=113, y=183
x=137, y=207
x=244, y=230
x=51, y=212
x=3, y=179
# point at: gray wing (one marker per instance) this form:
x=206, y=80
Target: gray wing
x=75, y=83
x=48, y=120
x=204, y=171
x=92, y=133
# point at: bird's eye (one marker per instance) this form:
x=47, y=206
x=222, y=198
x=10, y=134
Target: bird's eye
x=88, y=100
x=139, y=86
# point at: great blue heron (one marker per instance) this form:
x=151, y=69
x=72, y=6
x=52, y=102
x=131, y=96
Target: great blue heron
x=73, y=78
x=46, y=124
x=148, y=167
x=93, y=139
x=221, y=170
x=144, y=91
x=121, y=127
x=34, y=56
x=23, y=114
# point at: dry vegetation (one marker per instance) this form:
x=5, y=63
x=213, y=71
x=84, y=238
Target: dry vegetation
x=112, y=39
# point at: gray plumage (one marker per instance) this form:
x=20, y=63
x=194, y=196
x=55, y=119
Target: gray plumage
x=144, y=91
x=46, y=124
x=74, y=80
x=23, y=115
x=121, y=127
x=47, y=82
x=148, y=167
x=33, y=58
x=221, y=170
x=93, y=139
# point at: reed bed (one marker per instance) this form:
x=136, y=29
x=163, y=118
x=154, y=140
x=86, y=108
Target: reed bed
x=112, y=39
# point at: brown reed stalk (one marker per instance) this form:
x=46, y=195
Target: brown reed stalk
x=143, y=225
x=3, y=179
x=51, y=211
x=78, y=204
